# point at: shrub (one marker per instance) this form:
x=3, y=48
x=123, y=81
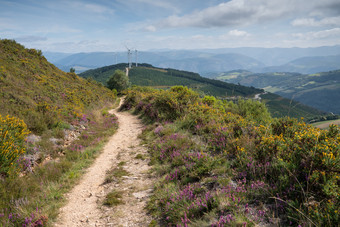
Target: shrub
x=12, y=137
x=118, y=81
x=290, y=167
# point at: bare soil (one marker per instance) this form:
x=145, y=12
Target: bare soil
x=326, y=124
x=85, y=202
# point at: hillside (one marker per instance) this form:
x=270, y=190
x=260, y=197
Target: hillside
x=146, y=75
x=41, y=94
x=319, y=90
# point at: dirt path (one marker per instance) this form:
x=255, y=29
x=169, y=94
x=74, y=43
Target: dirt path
x=85, y=202
x=327, y=124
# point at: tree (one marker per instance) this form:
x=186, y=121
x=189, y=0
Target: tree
x=72, y=70
x=118, y=81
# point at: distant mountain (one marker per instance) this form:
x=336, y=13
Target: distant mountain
x=147, y=75
x=308, y=65
x=211, y=62
x=320, y=90
x=279, y=56
x=182, y=60
x=303, y=60
x=55, y=56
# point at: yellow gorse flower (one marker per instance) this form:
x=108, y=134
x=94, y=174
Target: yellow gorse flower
x=13, y=132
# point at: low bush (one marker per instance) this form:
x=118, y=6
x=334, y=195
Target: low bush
x=224, y=163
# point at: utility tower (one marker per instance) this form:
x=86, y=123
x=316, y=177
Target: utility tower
x=136, y=53
x=129, y=52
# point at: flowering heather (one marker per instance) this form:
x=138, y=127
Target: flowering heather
x=189, y=202
x=249, y=165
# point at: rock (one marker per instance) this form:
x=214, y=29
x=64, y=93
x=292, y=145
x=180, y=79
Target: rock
x=33, y=138
x=142, y=194
x=55, y=141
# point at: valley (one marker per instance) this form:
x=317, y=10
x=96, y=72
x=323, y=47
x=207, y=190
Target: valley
x=319, y=90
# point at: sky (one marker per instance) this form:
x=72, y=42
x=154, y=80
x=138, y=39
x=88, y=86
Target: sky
x=112, y=25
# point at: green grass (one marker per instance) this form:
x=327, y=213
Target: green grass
x=140, y=156
x=113, y=198
x=116, y=174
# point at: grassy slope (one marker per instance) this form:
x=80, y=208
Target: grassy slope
x=281, y=107
x=146, y=75
x=39, y=93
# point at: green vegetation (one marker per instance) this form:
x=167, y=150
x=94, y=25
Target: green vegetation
x=146, y=75
x=113, y=198
x=118, y=81
x=281, y=107
x=230, y=75
x=36, y=171
x=37, y=92
x=225, y=163
x=321, y=90
x=116, y=174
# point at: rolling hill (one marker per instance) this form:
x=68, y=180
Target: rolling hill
x=319, y=90
x=41, y=94
x=147, y=75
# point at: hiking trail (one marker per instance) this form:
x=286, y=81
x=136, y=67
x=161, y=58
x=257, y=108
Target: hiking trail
x=85, y=201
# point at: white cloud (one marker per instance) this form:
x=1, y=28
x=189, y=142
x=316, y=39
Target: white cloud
x=238, y=33
x=89, y=7
x=247, y=12
x=30, y=39
x=151, y=5
x=312, y=22
x=315, y=35
x=150, y=28
x=235, y=12
x=160, y=4
x=98, y=8
x=56, y=29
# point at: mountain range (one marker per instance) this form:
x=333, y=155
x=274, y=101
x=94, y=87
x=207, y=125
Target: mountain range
x=204, y=61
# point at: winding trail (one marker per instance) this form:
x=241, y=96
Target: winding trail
x=85, y=202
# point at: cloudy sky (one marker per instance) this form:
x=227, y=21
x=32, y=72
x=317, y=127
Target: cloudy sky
x=109, y=25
